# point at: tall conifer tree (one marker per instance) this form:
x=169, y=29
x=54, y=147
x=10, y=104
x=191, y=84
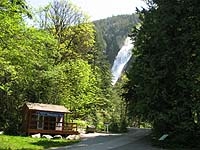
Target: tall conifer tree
x=165, y=75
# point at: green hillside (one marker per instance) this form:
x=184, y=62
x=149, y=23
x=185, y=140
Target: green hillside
x=113, y=31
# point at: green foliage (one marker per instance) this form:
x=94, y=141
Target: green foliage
x=47, y=66
x=79, y=42
x=113, y=31
x=59, y=63
x=81, y=123
x=118, y=126
x=118, y=110
x=164, y=78
x=78, y=78
x=70, y=27
x=110, y=35
x=80, y=87
x=20, y=61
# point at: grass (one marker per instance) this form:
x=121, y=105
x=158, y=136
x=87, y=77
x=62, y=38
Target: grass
x=19, y=142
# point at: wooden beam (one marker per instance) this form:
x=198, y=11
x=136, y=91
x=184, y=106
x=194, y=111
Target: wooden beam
x=29, y=119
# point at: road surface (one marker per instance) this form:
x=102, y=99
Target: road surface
x=135, y=139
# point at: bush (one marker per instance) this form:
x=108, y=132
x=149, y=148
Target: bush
x=123, y=126
x=114, y=127
x=118, y=126
x=100, y=126
x=81, y=123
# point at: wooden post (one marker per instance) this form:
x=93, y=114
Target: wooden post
x=29, y=120
x=63, y=122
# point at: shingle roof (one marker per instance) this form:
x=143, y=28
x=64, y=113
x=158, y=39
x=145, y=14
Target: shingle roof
x=47, y=107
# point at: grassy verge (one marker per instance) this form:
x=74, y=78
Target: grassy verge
x=18, y=142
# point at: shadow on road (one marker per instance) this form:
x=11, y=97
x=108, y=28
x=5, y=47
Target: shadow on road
x=135, y=139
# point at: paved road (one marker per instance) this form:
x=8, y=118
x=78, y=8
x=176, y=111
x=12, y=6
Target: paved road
x=135, y=139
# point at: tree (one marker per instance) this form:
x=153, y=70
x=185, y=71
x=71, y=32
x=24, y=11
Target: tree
x=165, y=73
x=37, y=66
x=15, y=7
x=9, y=18
x=59, y=15
x=70, y=27
x=25, y=55
x=113, y=31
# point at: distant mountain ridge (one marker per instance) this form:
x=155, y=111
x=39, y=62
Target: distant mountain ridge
x=113, y=31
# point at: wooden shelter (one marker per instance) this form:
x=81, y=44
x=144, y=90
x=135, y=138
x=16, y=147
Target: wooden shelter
x=46, y=119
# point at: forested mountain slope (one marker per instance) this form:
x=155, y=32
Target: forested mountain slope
x=113, y=31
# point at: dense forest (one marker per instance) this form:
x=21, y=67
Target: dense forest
x=66, y=59
x=59, y=61
x=163, y=86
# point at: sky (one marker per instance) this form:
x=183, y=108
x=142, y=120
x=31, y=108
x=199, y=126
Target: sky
x=99, y=9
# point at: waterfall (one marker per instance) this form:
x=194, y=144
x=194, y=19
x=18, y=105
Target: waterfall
x=121, y=60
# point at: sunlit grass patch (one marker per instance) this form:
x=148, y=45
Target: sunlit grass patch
x=19, y=142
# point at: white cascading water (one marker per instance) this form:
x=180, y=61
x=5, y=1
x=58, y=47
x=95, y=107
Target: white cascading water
x=121, y=60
